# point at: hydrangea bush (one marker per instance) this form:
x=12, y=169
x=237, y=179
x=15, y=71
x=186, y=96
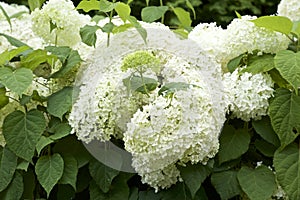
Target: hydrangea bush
x=204, y=112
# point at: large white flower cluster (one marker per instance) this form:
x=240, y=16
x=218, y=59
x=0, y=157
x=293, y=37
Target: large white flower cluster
x=160, y=130
x=12, y=9
x=290, y=9
x=59, y=23
x=240, y=36
x=248, y=94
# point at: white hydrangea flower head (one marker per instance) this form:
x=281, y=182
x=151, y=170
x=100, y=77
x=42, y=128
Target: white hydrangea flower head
x=290, y=9
x=21, y=30
x=159, y=131
x=248, y=94
x=65, y=19
x=12, y=9
x=240, y=36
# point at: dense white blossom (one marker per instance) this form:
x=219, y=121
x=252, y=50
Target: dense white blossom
x=159, y=131
x=64, y=20
x=290, y=9
x=12, y=9
x=240, y=36
x=248, y=94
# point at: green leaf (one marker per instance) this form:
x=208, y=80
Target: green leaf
x=138, y=84
x=71, y=145
x=88, y=35
x=143, y=33
x=61, y=52
x=22, y=131
x=13, y=41
x=233, y=143
x=8, y=166
x=42, y=143
x=60, y=102
x=108, y=27
x=121, y=28
x=4, y=100
x=287, y=167
x=87, y=6
x=49, y=169
x=265, y=148
x=18, y=14
x=6, y=17
x=284, y=112
x=23, y=165
x=72, y=61
x=170, y=88
x=226, y=184
x=288, y=64
x=153, y=13
x=193, y=176
x=106, y=6
x=6, y=56
x=183, y=17
x=123, y=11
x=277, y=78
x=17, y=81
x=70, y=171
x=36, y=58
x=15, y=188
x=275, y=23
x=257, y=183
x=102, y=174
x=264, y=128
x=235, y=63
x=33, y=4
x=182, y=33
x=60, y=131
x=190, y=6
x=259, y=64
x=296, y=28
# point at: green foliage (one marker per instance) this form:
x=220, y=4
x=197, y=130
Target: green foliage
x=33, y=4
x=287, y=166
x=140, y=84
x=88, y=34
x=8, y=166
x=153, y=13
x=275, y=23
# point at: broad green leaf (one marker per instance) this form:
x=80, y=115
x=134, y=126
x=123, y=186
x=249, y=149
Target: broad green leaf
x=193, y=176
x=287, y=167
x=33, y=4
x=88, y=35
x=60, y=102
x=121, y=28
x=138, y=27
x=265, y=148
x=71, y=145
x=264, y=128
x=201, y=194
x=6, y=17
x=182, y=33
x=13, y=41
x=4, y=100
x=70, y=171
x=275, y=23
x=153, y=13
x=139, y=84
x=22, y=131
x=36, y=58
x=233, y=143
x=235, y=63
x=18, y=80
x=277, y=78
x=62, y=52
x=72, y=62
x=190, y=6
x=49, y=169
x=183, y=17
x=14, y=189
x=123, y=11
x=8, y=166
x=257, y=183
x=88, y=5
x=106, y=6
x=226, y=184
x=134, y=193
x=170, y=88
x=108, y=27
x=260, y=64
x=176, y=192
x=42, y=143
x=60, y=131
x=296, y=28
x=6, y=56
x=23, y=165
x=288, y=64
x=97, y=18
x=102, y=174
x=284, y=112
x=119, y=189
